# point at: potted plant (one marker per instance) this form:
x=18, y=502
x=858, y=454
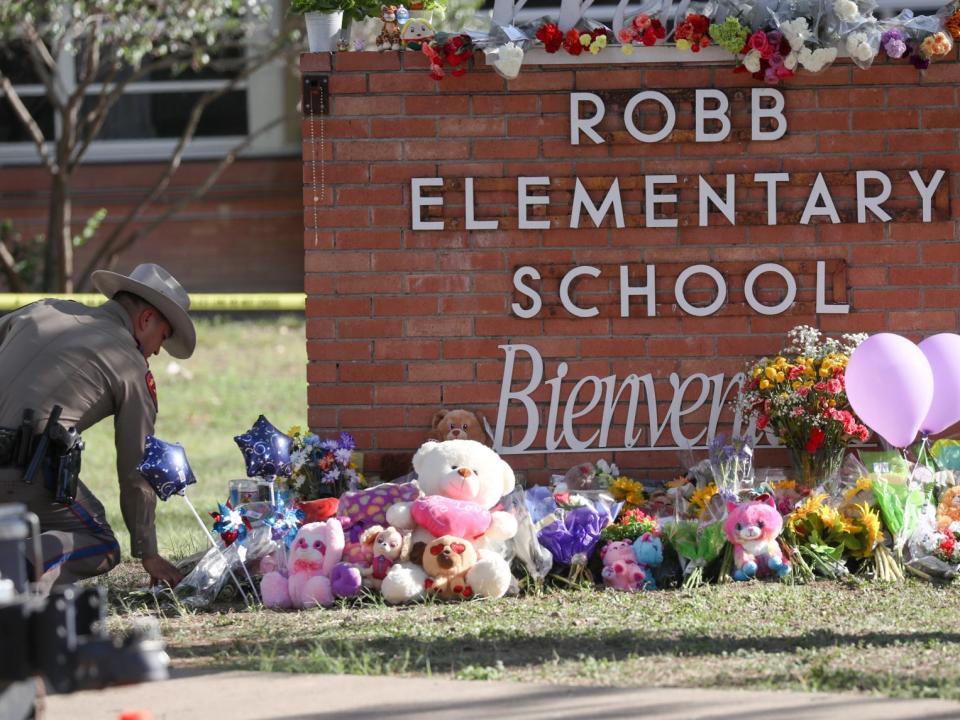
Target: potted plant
x=322, y=471
x=326, y=18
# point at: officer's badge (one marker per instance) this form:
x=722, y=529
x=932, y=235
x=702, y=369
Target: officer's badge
x=152, y=387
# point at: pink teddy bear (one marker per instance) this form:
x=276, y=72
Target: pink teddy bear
x=620, y=568
x=753, y=528
x=315, y=575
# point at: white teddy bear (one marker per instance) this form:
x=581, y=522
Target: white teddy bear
x=462, y=481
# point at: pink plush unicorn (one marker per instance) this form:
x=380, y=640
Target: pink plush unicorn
x=620, y=568
x=753, y=528
x=312, y=569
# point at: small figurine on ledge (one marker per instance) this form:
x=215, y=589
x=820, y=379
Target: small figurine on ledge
x=389, y=37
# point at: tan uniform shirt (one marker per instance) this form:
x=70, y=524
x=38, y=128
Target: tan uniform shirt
x=58, y=352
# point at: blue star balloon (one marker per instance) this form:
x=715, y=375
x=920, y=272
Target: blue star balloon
x=165, y=467
x=266, y=450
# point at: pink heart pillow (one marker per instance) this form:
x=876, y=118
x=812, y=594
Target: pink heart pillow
x=445, y=516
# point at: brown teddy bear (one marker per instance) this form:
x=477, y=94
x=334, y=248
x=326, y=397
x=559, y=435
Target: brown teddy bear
x=389, y=546
x=948, y=511
x=446, y=560
x=458, y=424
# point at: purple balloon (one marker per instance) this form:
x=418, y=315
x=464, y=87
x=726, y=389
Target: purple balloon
x=943, y=353
x=890, y=387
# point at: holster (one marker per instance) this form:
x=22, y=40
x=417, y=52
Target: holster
x=61, y=466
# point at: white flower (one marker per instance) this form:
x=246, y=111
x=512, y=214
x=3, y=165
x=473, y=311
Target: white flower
x=790, y=61
x=508, y=60
x=859, y=47
x=954, y=527
x=815, y=61
x=751, y=61
x=846, y=9
x=602, y=466
x=297, y=459
x=796, y=32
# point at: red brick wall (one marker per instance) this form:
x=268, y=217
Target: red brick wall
x=402, y=322
x=242, y=236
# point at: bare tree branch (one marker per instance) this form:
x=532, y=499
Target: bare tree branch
x=175, y=160
x=23, y=114
x=196, y=193
x=8, y=265
x=45, y=66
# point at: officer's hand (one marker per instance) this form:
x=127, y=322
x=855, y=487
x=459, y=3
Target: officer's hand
x=161, y=571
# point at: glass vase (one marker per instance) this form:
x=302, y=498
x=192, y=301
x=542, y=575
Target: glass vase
x=818, y=469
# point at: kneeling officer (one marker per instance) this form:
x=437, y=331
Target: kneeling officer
x=63, y=368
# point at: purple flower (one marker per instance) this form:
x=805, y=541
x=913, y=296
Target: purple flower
x=330, y=477
x=329, y=445
x=343, y=456
x=347, y=442
x=775, y=36
x=919, y=62
x=893, y=43
x=577, y=533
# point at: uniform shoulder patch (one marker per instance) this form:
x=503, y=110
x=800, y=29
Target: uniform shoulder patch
x=152, y=388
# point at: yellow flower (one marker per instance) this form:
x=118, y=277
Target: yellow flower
x=595, y=49
x=810, y=506
x=623, y=487
x=864, y=485
x=701, y=498
x=628, y=50
x=784, y=485
x=870, y=522
x=294, y=430
x=764, y=384
x=770, y=373
x=636, y=498
x=585, y=39
x=824, y=371
x=781, y=377
x=756, y=370
x=683, y=44
x=795, y=384
x=829, y=516
x=601, y=41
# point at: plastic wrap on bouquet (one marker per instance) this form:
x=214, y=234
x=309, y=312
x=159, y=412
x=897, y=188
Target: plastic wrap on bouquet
x=921, y=549
x=203, y=584
x=812, y=31
x=524, y=546
x=504, y=48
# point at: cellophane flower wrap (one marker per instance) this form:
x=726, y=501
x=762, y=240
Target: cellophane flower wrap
x=323, y=468
x=697, y=545
x=800, y=396
x=732, y=464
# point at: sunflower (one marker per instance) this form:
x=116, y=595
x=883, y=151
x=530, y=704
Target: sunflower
x=830, y=517
x=870, y=526
x=623, y=487
x=796, y=521
x=864, y=485
x=701, y=498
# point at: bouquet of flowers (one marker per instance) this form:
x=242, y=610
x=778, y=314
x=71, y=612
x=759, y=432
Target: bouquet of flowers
x=731, y=464
x=630, y=525
x=698, y=545
x=323, y=468
x=800, y=395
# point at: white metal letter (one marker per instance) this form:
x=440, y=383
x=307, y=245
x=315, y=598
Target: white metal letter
x=582, y=199
x=578, y=124
x=718, y=113
x=667, y=126
x=757, y=113
x=519, y=276
x=709, y=196
x=524, y=201
x=788, y=299
x=472, y=223
x=419, y=202
x=689, y=272
x=565, y=284
x=653, y=199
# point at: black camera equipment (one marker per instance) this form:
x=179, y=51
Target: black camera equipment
x=61, y=638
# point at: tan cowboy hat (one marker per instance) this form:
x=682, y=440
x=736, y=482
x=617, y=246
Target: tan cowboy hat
x=161, y=289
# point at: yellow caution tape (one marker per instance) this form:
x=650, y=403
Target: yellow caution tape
x=276, y=302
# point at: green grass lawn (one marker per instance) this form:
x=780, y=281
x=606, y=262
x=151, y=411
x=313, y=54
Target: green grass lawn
x=895, y=640
x=241, y=368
